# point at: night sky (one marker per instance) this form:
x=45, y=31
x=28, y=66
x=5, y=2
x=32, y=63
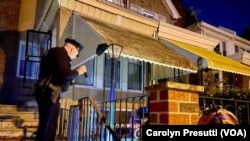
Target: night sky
x=231, y=14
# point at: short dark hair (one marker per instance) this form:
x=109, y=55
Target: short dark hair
x=78, y=45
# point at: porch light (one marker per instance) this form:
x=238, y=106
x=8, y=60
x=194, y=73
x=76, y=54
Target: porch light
x=114, y=52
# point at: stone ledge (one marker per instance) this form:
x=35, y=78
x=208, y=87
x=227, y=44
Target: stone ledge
x=175, y=85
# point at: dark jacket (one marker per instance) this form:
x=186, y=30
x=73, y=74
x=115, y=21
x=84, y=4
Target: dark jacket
x=56, y=62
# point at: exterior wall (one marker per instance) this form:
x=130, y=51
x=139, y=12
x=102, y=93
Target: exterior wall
x=64, y=26
x=223, y=35
x=174, y=103
x=172, y=32
x=115, y=15
x=40, y=6
x=26, y=15
x=154, y=6
x=231, y=39
x=9, y=38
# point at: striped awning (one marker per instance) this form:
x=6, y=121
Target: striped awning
x=211, y=59
x=138, y=46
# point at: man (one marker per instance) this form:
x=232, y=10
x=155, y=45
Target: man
x=55, y=78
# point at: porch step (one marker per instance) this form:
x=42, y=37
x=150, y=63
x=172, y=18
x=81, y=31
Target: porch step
x=17, y=125
x=17, y=134
x=8, y=133
x=8, y=108
x=18, y=116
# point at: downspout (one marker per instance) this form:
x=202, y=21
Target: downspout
x=147, y=66
x=202, y=30
x=46, y=10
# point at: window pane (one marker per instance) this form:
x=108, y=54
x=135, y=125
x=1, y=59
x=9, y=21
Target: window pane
x=236, y=49
x=134, y=75
x=33, y=61
x=82, y=80
x=107, y=72
x=32, y=69
x=217, y=49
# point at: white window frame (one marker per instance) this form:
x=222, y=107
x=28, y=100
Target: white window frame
x=147, y=13
x=139, y=63
x=236, y=49
x=135, y=8
x=224, y=48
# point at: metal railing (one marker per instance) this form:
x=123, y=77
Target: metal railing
x=89, y=120
x=83, y=122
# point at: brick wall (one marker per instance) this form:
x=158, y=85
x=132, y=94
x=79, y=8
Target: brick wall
x=153, y=5
x=174, y=103
x=9, y=38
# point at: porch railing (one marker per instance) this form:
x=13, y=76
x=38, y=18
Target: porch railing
x=83, y=121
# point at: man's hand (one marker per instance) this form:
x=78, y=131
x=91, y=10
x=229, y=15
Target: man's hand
x=82, y=69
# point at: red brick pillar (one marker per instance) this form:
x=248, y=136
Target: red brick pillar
x=174, y=103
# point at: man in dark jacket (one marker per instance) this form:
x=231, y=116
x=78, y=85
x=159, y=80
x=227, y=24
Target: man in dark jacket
x=55, y=78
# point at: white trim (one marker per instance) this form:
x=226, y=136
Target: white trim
x=171, y=9
x=162, y=64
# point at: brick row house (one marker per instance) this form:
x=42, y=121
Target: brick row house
x=156, y=49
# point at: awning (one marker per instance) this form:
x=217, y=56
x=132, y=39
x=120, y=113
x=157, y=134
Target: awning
x=91, y=32
x=211, y=59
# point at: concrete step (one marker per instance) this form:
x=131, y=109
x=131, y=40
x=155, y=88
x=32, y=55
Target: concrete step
x=13, y=123
x=18, y=123
x=21, y=115
x=8, y=108
x=11, y=132
x=17, y=134
x=13, y=139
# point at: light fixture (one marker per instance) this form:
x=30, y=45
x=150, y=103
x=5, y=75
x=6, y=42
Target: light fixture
x=114, y=52
x=101, y=48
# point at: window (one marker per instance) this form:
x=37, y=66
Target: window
x=236, y=49
x=107, y=72
x=242, y=49
x=135, y=8
x=224, y=49
x=32, y=64
x=148, y=14
x=118, y=2
x=134, y=74
x=82, y=80
x=32, y=69
x=217, y=49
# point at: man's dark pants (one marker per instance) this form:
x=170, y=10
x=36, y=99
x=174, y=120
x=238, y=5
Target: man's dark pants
x=48, y=115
